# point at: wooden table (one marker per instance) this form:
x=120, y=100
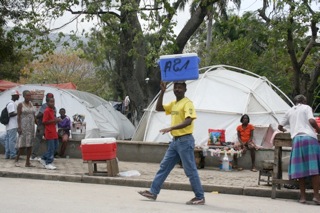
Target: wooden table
x=112, y=167
x=280, y=140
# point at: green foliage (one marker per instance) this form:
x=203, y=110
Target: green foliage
x=249, y=43
x=63, y=67
x=12, y=60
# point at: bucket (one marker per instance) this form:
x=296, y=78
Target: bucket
x=78, y=130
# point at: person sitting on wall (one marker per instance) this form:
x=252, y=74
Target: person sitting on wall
x=245, y=141
x=63, y=131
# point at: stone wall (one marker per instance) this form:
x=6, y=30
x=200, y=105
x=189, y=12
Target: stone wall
x=137, y=151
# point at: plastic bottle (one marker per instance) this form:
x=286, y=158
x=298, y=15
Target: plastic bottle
x=225, y=162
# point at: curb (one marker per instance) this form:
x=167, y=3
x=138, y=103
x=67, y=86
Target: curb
x=247, y=191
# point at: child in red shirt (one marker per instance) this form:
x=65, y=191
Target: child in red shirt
x=49, y=120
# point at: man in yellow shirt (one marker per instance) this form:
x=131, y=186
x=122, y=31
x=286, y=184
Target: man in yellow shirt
x=182, y=146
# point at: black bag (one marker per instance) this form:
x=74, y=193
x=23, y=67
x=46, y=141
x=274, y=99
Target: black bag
x=4, y=119
x=60, y=132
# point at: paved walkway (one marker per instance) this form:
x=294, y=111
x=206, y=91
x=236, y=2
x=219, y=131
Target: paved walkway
x=213, y=180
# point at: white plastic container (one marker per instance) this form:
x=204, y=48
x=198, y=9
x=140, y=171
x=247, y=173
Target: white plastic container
x=225, y=162
x=77, y=136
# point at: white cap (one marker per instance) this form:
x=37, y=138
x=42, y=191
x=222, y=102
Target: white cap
x=15, y=92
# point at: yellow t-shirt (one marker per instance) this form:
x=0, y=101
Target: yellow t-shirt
x=179, y=112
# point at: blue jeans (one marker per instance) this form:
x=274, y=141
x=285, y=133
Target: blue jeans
x=181, y=148
x=52, y=145
x=11, y=140
x=3, y=139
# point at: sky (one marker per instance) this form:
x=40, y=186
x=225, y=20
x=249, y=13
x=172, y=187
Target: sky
x=246, y=5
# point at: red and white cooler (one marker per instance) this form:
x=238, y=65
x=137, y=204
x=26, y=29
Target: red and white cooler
x=98, y=148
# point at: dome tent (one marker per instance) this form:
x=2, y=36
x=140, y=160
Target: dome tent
x=221, y=95
x=102, y=120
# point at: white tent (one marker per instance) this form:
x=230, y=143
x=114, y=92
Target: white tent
x=102, y=120
x=221, y=95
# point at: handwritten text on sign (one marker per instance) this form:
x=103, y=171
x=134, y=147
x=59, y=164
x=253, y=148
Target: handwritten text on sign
x=176, y=65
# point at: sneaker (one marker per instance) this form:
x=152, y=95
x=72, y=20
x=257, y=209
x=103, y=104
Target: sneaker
x=43, y=162
x=148, y=195
x=50, y=167
x=196, y=201
x=35, y=158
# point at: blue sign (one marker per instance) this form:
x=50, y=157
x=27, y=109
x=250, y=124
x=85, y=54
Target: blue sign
x=179, y=67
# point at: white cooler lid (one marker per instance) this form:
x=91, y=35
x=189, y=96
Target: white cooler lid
x=98, y=140
x=178, y=55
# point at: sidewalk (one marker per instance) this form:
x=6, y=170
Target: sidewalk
x=213, y=180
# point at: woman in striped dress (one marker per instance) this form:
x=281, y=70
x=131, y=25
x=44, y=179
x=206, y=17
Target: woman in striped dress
x=305, y=154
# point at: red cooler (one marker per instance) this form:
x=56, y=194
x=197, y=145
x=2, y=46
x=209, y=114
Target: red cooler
x=98, y=148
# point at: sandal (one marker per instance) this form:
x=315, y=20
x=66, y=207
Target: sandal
x=148, y=195
x=317, y=202
x=254, y=170
x=237, y=168
x=302, y=201
x=16, y=164
x=29, y=165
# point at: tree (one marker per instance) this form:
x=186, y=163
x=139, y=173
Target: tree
x=297, y=31
x=137, y=47
x=11, y=59
x=282, y=46
x=247, y=42
x=66, y=67
x=135, y=51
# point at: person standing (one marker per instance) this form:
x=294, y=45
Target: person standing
x=50, y=133
x=40, y=129
x=63, y=131
x=12, y=127
x=26, y=127
x=305, y=153
x=182, y=147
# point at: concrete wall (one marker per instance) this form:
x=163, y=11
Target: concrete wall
x=154, y=152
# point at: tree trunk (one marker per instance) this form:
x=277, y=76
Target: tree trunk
x=193, y=24
x=131, y=64
x=209, y=37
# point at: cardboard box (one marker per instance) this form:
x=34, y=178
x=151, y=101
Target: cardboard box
x=99, y=148
x=179, y=67
x=37, y=98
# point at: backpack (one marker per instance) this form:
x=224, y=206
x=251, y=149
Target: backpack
x=4, y=118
